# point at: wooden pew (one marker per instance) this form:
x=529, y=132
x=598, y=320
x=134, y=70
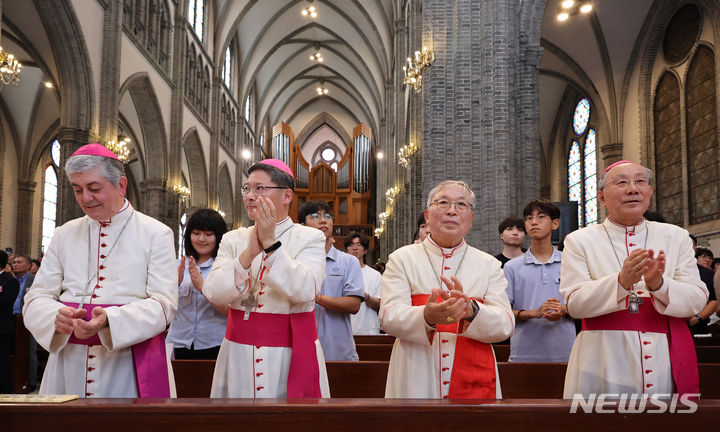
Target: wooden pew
x=366, y=379
x=374, y=352
x=341, y=415
x=705, y=354
x=374, y=339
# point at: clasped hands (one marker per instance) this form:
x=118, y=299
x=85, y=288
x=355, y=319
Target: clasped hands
x=69, y=320
x=263, y=232
x=643, y=262
x=455, y=304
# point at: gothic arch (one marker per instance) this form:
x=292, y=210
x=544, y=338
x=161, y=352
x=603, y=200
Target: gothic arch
x=73, y=64
x=225, y=193
x=151, y=124
x=318, y=121
x=196, y=168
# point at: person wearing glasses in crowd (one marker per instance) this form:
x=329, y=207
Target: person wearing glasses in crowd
x=544, y=332
x=268, y=274
x=199, y=326
x=341, y=293
x=445, y=303
x=365, y=322
x=633, y=282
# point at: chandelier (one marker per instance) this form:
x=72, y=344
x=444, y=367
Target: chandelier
x=321, y=90
x=9, y=65
x=572, y=7
x=309, y=11
x=405, y=153
x=182, y=191
x=318, y=57
x=119, y=147
x=413, y=71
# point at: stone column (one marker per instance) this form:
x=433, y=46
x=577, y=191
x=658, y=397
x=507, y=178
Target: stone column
x=159, y=202
x=110, y=71
x=472, y=109
x=70, y=140
x=23, y=233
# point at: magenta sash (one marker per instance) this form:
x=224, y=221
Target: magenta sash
x=683, y=358
x=296, y=331
x=149, y=357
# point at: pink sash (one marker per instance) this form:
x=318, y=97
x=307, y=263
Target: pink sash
x=683, y=358
x=151, y=369
x=296, y=331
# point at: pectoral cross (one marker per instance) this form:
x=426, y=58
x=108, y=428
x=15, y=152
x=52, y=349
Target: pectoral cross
x=249, y=303
x=82, y=295
x=634, y=303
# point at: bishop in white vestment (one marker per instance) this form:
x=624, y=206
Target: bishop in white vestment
x=444, y=329
x=269, y=275
x=633, y=282
x=115, y=257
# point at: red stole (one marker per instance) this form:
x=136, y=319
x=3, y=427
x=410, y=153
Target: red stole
x=683, y=358
x=473, y=373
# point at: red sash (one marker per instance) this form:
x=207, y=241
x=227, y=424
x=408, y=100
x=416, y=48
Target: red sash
x=296, y=330
x=473, y=373
x=151, y=368
x=683, y=358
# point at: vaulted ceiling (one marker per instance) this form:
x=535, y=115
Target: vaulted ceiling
x=274, y=42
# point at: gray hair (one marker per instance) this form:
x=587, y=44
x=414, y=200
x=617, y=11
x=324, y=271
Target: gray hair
x=110, y=169
x=437, y=188
x=603, y=178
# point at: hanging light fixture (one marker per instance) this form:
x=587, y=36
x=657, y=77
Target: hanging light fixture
x=570, y=8
x=10, y=67
x=309, y=11
x=413, y=71
x=321, y=89
x=119, y=147
x=318, y=57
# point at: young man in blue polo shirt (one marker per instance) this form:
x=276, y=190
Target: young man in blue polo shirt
x=341, y=293
x=543, y=330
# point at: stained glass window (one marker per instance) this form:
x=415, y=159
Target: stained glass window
x=582, y=166
x=248, y=101
x=50, y=192
x=590, y=169
x=196, y=16
x=55, y=152
x=581, y=116
x=227, y=68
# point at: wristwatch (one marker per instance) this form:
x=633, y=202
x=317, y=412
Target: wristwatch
x=273, y=247
x=476, y=308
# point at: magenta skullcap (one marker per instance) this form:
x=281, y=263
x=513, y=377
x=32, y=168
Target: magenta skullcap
x=614, y=165
x=95, y=149
x=277, y=163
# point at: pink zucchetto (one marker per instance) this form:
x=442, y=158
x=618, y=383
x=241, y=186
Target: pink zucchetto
x=614, y=165
x=95, y=149
x=277, y=163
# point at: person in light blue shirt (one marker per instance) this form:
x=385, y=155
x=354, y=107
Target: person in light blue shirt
x=199, y=327
x=544, y=332
x=341, y=293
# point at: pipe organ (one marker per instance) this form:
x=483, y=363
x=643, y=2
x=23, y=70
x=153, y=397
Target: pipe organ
x=346, y=190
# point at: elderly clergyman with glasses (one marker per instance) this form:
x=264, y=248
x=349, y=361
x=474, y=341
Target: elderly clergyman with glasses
x=268, y=274
x=445, y=303
x=632, y=282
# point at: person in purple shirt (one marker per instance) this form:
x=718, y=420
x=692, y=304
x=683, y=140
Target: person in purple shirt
x=341, y=293
x=544, y=332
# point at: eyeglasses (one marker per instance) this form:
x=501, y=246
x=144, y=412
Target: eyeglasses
x=258, y=189
x=625, y=183
x=326, y=216
x=460, y=206
x=538, y=217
